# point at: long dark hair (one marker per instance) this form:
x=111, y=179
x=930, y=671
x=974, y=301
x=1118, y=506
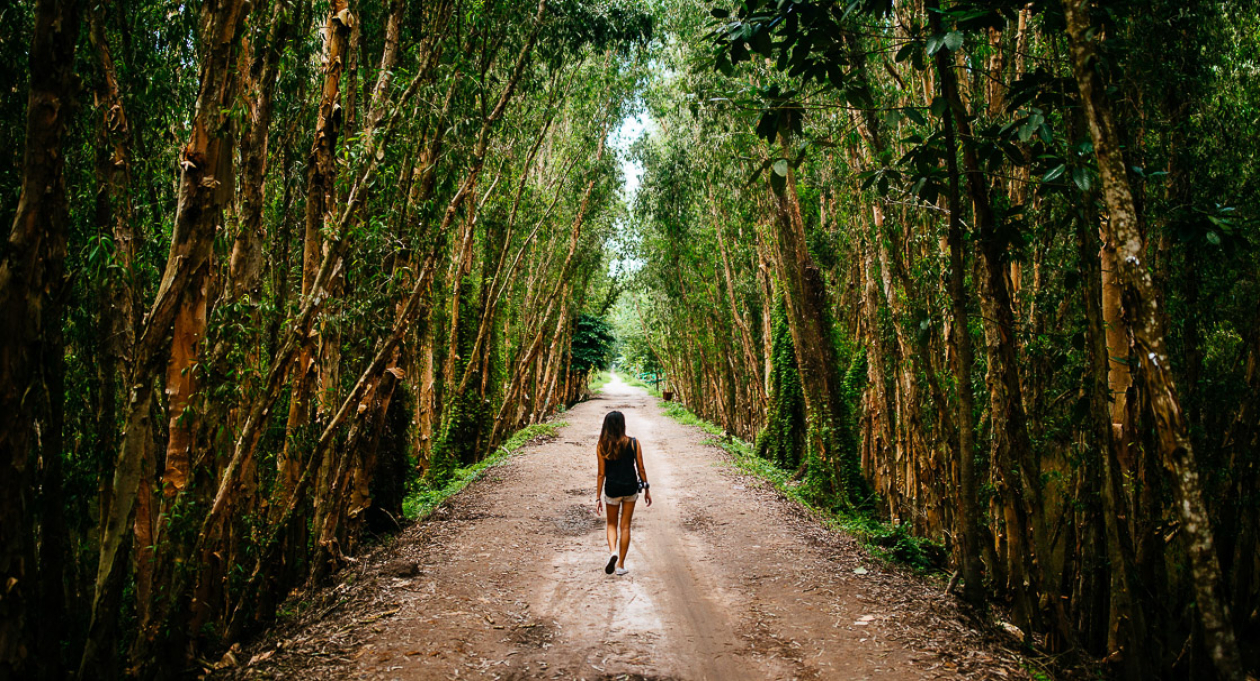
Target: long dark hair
x=613, y=437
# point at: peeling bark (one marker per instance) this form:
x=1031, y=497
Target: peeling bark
x=1141, y=308
x=320, y=189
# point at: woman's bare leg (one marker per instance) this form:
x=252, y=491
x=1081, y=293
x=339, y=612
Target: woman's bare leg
x=626, y=513
x=612, y=511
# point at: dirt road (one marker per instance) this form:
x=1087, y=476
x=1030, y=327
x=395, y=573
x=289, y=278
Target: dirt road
x=727, y=581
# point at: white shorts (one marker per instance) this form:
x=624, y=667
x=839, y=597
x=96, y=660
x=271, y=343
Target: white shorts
x=616, y=501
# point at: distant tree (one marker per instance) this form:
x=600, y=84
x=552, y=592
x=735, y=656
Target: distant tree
x=592, y=345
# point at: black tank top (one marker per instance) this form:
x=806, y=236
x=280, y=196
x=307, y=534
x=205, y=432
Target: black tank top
x=621, y=478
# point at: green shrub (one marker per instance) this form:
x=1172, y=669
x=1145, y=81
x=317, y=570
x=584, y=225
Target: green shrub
x=598, y=380
x=631, y=379
x=427, y=495
x=592, y=344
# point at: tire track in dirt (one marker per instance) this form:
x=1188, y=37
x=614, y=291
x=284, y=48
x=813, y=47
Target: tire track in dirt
x=728, y=581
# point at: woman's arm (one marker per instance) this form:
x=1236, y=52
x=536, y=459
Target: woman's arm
x=638, y=458
x=599, y=484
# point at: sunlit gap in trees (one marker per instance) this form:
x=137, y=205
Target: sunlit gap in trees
x=637, y=124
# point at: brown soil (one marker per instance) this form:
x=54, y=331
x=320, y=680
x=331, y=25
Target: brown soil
x=727, y=580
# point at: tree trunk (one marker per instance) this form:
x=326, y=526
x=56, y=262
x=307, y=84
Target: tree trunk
x=962, y=357
x=122, y=310
x=1119, y=377
x=245, y=268
x=32, y=276
x=320, y=188
x=1140, y=304
x=204, y=185
x=297, y=327
x=809, y=321
x=181, y=383
x=745, y=336
x=1015, y=470
x=1125, y=623
x=501, y=424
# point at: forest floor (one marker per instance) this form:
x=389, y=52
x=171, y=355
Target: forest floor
x=728, y=580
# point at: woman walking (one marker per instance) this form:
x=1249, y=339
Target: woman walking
x=618, y=485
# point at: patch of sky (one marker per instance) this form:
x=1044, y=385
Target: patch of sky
x=635, y=125
x=631, y=128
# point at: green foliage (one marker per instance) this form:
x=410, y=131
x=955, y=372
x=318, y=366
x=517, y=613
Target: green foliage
x=681, y=414
x=616, y=24
x=1172, y=73
x=897, y=543
x=1040, y=673
x=782, y=440
x=847, y=435
x=427, y=495
x=598, y=380
x=639, y=381
x=466, y=416
x=578, y=77
x=592, y=344
x=638, y=356
x=694, y=254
